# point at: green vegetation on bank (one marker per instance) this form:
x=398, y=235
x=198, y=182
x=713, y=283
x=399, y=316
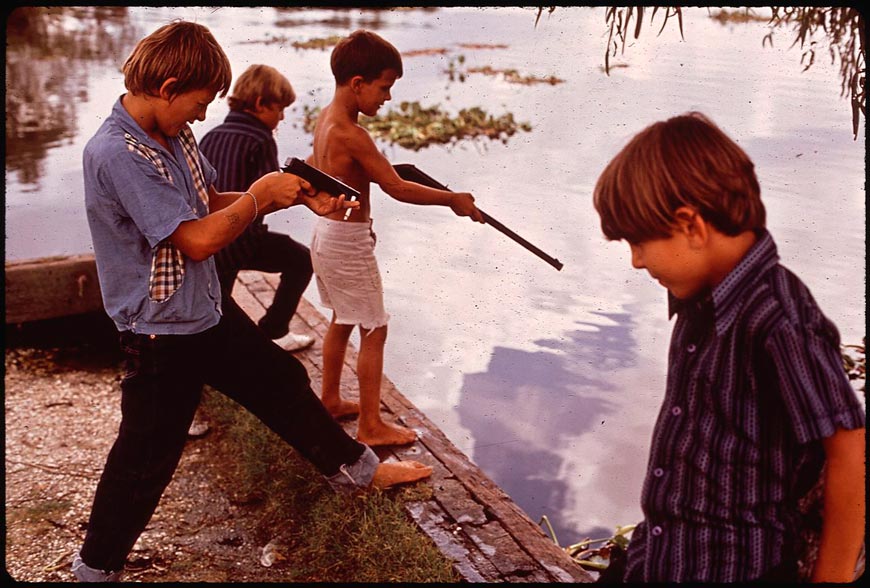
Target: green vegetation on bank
x=312, y=532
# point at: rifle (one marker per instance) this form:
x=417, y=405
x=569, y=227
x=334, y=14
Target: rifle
x=408, y=171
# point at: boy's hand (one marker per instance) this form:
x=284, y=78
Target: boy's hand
x=277, y=190
x=462, y=204
x=322, y=203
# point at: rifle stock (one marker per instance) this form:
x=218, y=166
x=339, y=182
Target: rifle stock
x=411, y=173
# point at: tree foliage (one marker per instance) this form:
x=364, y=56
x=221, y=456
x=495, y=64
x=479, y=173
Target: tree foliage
x=842, y=26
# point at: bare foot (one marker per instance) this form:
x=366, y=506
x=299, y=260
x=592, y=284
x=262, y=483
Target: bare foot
x=386, y=434
x=402, y=472
x=344, y=409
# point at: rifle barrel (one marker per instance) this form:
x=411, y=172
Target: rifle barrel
x=408, y=171
x=497, y=225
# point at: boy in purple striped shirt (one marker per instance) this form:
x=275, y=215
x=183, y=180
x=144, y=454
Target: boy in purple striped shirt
x=757, y=405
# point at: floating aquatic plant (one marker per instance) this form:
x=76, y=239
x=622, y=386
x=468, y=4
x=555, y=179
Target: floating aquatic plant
x=589, y=557
x=855, y=362
x=455, y=71
x=415, y=127
x=514, y=77
x=483, y=46
x=317, y=43
x=429, y=51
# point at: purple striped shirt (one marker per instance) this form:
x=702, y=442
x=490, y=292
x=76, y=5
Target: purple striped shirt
x=242, y=150
x=755, y=381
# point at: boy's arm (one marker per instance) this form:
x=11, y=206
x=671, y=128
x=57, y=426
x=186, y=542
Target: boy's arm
x=231, y=212
x=380, y=171
x=844, y=507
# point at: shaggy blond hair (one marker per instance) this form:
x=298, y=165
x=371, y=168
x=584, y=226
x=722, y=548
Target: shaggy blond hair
x=264, y=82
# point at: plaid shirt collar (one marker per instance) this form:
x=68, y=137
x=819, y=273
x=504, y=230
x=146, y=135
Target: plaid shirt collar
x=167, y=262
x=721, y=305
x=185, y=138
x=131, y=127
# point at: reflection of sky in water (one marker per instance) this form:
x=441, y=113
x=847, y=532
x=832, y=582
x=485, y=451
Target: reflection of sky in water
x=529, y=405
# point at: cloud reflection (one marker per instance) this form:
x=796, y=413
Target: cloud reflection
x=528, y=407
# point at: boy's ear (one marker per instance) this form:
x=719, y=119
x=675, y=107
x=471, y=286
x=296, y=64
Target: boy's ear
x=690, y=223
x=167, y=89
x=356, y=82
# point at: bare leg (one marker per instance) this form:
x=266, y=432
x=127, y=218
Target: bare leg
x=402, y=472
x=334, y=347
x=372, y=429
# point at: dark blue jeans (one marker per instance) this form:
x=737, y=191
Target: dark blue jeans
x=270, y=252
x=160, y=392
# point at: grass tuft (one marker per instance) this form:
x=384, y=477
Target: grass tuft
x=323, y=536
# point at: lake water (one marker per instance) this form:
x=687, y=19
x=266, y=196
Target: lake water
x=550, y=381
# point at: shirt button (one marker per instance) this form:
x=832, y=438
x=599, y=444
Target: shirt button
x=656, y=531
x=676, y=411
x=658, y=472
x=691, y=348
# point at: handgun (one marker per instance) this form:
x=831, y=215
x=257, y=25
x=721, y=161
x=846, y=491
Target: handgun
x=322, y=181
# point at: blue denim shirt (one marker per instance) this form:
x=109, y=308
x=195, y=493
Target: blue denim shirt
x=136, y=195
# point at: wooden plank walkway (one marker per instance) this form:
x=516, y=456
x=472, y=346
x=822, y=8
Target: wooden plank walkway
x=471, y=520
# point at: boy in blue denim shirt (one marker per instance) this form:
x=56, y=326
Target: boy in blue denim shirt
x=156, y=221
x=757, y=400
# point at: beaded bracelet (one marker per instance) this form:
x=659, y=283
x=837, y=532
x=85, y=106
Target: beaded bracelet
x=256, y=207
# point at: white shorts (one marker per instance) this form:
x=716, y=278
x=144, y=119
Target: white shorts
x=346, y=271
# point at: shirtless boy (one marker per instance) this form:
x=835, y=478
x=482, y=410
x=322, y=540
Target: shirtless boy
x=365, y=67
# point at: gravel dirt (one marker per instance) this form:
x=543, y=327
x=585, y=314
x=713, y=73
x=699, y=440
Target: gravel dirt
x=62, y=410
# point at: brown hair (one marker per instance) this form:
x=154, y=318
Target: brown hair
x=261, y=81
x=363, y=53
x=684, y=161
x=182, y=50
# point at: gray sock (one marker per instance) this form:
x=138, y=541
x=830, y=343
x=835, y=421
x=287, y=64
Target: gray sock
x=85, y=573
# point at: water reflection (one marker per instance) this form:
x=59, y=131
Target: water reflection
x=528, y=407
x=49, y=51
x=347, y=19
